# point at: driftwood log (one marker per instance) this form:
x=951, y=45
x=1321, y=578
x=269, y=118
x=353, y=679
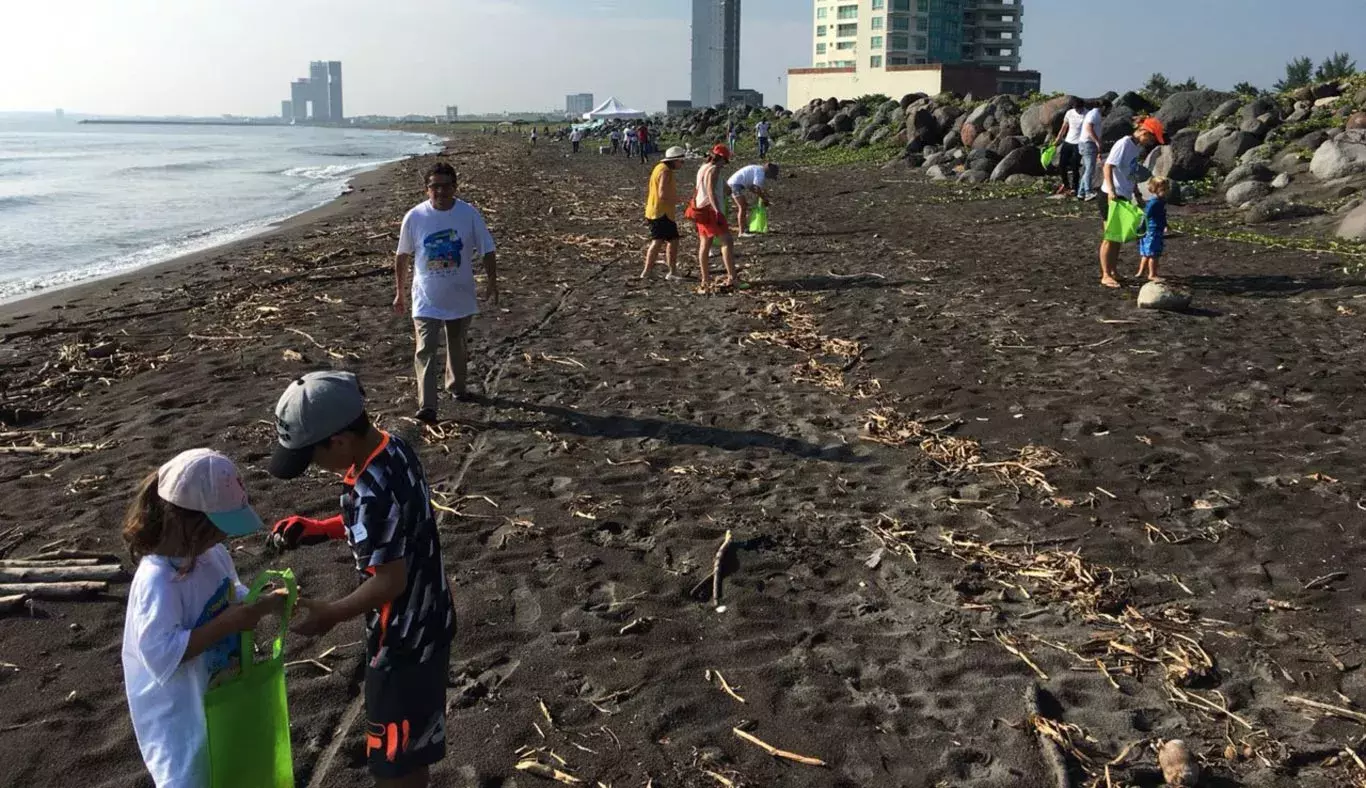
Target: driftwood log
x=11, y=562
x=59, y=574
x=54, y=591
x=65, y=555
x=13, y=602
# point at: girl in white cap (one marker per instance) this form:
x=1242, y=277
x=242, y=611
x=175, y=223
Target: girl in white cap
x=182, y=616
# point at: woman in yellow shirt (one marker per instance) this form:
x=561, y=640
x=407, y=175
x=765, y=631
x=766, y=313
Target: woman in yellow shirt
x=660, y=204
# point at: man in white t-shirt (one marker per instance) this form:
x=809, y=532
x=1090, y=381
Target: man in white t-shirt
x=1089, y=150
x=746, y=186
x=439, y=243
x=1119, y=186
x=575, y=137
x=1068, y=143
x=761, y=131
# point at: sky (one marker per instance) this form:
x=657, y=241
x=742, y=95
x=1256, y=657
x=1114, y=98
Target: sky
x=213, y=57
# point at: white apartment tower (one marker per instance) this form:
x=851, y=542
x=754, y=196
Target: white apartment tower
x=866, y=34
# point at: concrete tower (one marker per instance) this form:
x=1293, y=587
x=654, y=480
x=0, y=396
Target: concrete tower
x=715, y=51
x=334, y=92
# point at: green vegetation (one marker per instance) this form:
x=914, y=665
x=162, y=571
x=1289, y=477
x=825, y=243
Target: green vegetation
x=1247, y=89
x=872, y=102
x=811, y=156
x=1353, y=253
x=1158, y=87
x=1300, y=72
x=1339, y=66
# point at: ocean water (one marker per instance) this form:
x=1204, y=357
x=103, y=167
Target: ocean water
x=78, y=202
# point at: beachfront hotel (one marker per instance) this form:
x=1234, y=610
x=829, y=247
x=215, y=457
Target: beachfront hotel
x=895, y=47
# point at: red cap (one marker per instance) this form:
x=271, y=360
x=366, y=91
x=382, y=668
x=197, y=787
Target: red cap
x=1155, y=126
x=722, y=151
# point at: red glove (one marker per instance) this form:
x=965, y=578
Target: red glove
x=295, y=531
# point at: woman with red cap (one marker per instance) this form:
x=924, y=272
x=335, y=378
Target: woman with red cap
x=706, y=212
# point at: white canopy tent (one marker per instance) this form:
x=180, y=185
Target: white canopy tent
x=611, y=109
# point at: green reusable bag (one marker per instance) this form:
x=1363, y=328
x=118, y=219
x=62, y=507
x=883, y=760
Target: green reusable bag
x=758, y=218
x=1124, y=222
x=1047, y=154
x=248, y=715
x=725, y=211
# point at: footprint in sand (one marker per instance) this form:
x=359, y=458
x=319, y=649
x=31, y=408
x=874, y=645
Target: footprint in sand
x=526, y=610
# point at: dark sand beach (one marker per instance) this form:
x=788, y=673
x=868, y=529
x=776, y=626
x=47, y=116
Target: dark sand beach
x=986, y=517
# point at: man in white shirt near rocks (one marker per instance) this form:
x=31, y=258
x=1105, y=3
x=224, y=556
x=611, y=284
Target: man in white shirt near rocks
x=1119, y=186
x=1068, y=142
x=575, y=137
x=761, y=132
x=1089, y=149
x=438, y=245
x=746, y=186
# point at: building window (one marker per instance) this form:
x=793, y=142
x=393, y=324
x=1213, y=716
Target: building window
x=875, y=61
x=875, y=42
x=878, y=4
x=847, y=12
x=921, y=43
x=923, y=6
x=846, y=45
x=877, y=22
x=820, y=48
x=901, y=23
x=897, y=60
x=899, y=41
x=821, y=65
x=846, y=30
x=901, y=5
x=820, y=30
x=821, y=12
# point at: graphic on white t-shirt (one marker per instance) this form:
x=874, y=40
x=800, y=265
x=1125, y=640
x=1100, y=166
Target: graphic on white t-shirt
x=442, y=250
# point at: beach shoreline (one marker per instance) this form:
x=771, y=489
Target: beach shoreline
x=351, y=200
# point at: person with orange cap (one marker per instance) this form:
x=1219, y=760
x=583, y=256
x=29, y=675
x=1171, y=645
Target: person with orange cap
x=706, y=211
x=1119, y=185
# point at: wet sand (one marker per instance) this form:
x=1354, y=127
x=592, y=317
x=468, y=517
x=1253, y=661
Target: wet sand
x=963, y=484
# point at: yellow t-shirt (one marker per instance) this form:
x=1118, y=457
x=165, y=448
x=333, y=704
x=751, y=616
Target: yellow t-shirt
x=656, y=207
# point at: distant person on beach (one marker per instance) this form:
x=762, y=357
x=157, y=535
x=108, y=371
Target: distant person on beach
x=438, y=245
x=761, y=133
x=1089, y=150
x=629, y=142
x=1155, y=228
x=1068, y=142
x=643, y=141
x=404, y=596
x=575, y=137
x=533, y=136
x=180, y=632
x=706, y=211
x=615, y=138
x=733, y=135
x=660, y=203
x=746, y=187
x=1120, y=167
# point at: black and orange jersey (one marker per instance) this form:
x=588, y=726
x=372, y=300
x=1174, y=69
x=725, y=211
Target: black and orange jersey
x=387, y=510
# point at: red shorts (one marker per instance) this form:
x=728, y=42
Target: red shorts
x=711, y=223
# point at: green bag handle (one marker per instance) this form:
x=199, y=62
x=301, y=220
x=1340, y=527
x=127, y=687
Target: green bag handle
x=248, y=638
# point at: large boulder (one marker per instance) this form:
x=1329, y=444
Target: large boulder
x=1325, y=90
x=1021, y=161
x=972, y=176
x=834, y=140
x=969, y=133
x=1274, y=209
x=1356, y=121
x=1208, y=141
x=1161, y=295
x=1117, y=125
x=1189, y=108
x=1340, y=157
x=1259, y=126
x=1233, y=147
x=945, y=116
x=1224, y=111
x=1353, y=226
x=842, y=123
x=1005, y=145
x=1020, y=179
x=1043, y=120
x=1139, y=103
x=879, y=134
x=939, y=172
x=979, y=114
x=817, y=132
x=897, y=116
x=1258, y=107
x=1246, y=192
x=938, y=158
x=1312, y=140
x=1263, y=153
x=1179, y=159
x=952, y=140
x=1255, y=171
x=922, y=124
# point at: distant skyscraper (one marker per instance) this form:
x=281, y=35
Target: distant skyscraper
x=575, y=104
x=317, y=80
x=286, y=110
x=715, y=50
x=334, y=92
x=299, y=94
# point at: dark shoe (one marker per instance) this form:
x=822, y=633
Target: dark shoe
x=426, y=416
x=468, y=396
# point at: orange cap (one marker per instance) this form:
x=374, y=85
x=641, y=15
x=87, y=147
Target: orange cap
x=722, y=151
x=1155, y=126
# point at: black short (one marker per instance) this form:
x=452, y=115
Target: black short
x=1103, y=204
x=663, y=229
x=405, y=706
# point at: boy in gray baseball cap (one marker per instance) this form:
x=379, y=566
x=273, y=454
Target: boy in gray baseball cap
x=387, y=520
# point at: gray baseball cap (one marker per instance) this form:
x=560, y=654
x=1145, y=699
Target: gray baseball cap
x=314, y=408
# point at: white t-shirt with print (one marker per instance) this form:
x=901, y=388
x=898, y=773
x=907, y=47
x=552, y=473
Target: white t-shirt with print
x=749, y=177
x=166, y=694
x=1095, y=121
x=445, y=246
x=1124, y=155
x=1074, y=120
x=761, y=129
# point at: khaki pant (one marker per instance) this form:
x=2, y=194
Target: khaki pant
x=428, y=342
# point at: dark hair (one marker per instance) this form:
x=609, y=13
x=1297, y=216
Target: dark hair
x=771, y=169
x=156, y=527
x=440, y=168
x=359, y=427
x=1075, y=102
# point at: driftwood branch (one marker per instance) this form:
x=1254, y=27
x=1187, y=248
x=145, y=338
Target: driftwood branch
x=55, y=591
x=59, y=574
x=1335, y=711
x=716, y=570
x=6, y=563
x=775, y=752
x=13, y=602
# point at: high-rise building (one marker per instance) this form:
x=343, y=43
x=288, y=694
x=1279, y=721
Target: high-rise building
x=878, y=33
x=317, y=80
x=863, y=47
x=452, y=113
x=286, y=110
x=334, y=92
x=576, y=104
x=715, y=51
x=300, y=92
